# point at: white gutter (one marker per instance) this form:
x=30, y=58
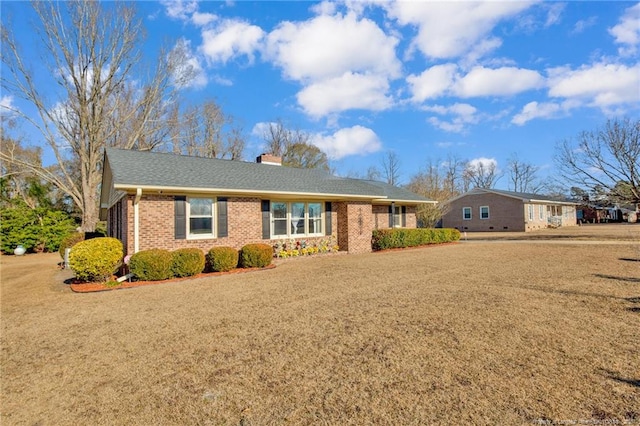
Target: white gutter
x=136, y=221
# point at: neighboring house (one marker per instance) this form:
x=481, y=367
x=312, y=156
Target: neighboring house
x=495, y=210
x=158, y=200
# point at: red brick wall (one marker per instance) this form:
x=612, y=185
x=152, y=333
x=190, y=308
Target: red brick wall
x=355, y=223
x=352, y=223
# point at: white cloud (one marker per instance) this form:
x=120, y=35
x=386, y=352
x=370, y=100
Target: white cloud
x=460, y=116
x=534, y=110
x=179, y=9
x=432, y=83
x=7, y=108
x=482, y=163
x=441, y=80
x=452, y=29
x=356, y=140
x=504, y=81
x=600, y=85
x=349, y=91
x=583, y=24
x=627, y=32
x=201, y=19
x=189, y=71
x=328, y=46
x=229, y=39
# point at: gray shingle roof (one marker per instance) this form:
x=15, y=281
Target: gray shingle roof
x=524, y=196
x=132, y=169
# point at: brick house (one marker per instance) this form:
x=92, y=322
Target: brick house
x=495, y=210
x=159, y=200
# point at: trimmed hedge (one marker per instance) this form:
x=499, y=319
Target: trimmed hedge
x=256, y=255
x=151, y=265
x=403, y=237
x=69, y=241
x=222, y=259
x=96, y=259
x=187, y=262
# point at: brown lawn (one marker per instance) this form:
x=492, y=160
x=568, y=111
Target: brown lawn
x=480, y=332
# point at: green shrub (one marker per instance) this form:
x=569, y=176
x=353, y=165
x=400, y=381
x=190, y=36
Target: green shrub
x=383, y=239
x=187, y=262
x=39, y=229
x=222, y=259
x=69, y=241
x=97, y=259
x=256, y=255
x=151, y=265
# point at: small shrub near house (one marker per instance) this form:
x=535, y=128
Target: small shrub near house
x=256, y=255
x=187, y=262
x=222, y=259
x=69, y=241
x=400, y=238
x=97, y=259
x=151, y=265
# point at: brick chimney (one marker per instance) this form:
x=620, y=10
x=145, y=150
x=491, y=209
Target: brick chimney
x=269, y=159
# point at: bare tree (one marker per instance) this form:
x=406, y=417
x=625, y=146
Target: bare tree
x=391, y=168
x=522, y=176
x=481, y=173
x=608, y=157
x=433, y=182
x=92, y=52
x=294, y=147
x=204, y=131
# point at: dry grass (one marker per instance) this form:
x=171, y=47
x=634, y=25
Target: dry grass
x=473, y=333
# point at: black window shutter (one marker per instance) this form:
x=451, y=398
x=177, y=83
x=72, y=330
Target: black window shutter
x=180, y=217
x=391, y=216
x=223, y=230
x=327, y=218
x=266, y=219
x=404, y=216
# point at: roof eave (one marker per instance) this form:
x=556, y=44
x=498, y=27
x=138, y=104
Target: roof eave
x=245, y=192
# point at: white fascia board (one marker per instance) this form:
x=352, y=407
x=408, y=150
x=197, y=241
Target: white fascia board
x=245, y=192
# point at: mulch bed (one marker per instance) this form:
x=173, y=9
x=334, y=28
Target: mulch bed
x=80, y=287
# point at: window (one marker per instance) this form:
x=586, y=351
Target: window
x=466, y=213
x=530, y=211
x=484, y=212
x=397, y=216
x=295, y=219
x=541, y=211
x=200, y=219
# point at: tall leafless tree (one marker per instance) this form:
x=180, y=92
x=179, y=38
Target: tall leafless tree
x=105, y=96
x=608, y=157
x=434, y=182
x=391, y=168
x=295, y=147
x=522, y=176
x=204, y=130
x=481, y=173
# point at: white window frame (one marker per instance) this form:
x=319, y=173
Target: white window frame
x=530, y=211
x=484, y=207
x=464, y=209
x=210, y=235
x=290, y=218
x=397, y=216
x=541, y=211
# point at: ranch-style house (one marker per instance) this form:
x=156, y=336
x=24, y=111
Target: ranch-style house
x=168, y=201
x=486, y=210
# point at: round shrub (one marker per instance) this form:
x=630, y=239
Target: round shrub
x=151, y=265
x=96, y=259
x=69, y=241
x=256, y=255
x=222, y=259
x=187, y=262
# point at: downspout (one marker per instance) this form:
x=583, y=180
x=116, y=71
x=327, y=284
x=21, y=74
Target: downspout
x=136, y=221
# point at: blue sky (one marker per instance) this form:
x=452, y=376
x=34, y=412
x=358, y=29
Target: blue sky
x=427, y=80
